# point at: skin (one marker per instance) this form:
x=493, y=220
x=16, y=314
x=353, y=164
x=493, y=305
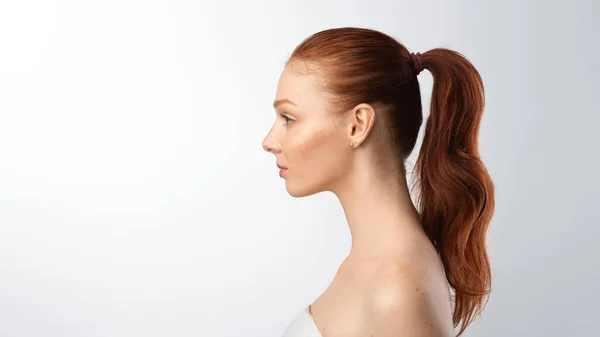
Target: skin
x=392, y=283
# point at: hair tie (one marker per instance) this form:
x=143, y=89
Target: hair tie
x=416, y=59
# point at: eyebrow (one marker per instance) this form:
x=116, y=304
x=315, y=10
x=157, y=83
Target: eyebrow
x=281, y=101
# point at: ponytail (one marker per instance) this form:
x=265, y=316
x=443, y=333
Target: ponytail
x=456, y=199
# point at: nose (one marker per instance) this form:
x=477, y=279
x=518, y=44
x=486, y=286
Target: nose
x=270, y=144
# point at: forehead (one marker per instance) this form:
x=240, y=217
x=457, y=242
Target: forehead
x=300, y=84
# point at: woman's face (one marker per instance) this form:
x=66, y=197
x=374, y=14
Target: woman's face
x=305, y=139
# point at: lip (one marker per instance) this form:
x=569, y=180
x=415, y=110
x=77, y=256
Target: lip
x=281, y=167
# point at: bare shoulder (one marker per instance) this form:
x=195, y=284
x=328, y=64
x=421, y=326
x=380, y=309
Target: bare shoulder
x=405, y=299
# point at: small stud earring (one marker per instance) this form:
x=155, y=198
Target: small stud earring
x=353, y=144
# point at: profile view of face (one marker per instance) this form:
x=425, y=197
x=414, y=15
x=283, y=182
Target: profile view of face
x=311, y=143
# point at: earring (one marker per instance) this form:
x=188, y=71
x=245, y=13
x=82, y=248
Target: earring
x=353, y=144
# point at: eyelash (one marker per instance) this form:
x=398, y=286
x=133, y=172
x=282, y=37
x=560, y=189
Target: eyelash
x=287, y=119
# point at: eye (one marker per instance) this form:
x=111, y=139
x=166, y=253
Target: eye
x=287, y=119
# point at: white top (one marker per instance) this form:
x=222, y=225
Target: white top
x=303, y=325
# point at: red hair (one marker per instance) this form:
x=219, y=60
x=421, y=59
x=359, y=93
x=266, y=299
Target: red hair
x=456, y=193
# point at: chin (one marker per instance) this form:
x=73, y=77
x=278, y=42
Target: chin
x=300, y=190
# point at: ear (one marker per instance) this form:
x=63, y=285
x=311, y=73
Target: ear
x=361, y=121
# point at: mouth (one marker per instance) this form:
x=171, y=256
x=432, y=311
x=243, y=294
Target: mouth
x=282, y=170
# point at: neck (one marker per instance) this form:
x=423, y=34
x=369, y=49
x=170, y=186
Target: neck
x=379, y=211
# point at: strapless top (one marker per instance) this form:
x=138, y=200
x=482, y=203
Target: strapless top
x=303, y=325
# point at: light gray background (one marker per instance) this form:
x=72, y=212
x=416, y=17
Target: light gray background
x=136, y=200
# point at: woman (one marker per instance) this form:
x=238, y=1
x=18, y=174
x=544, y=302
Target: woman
x=349, y=110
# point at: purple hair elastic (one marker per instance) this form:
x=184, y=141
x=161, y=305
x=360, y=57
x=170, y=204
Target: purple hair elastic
x=417, y=62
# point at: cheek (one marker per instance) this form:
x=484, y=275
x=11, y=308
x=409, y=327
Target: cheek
x=315, y=148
